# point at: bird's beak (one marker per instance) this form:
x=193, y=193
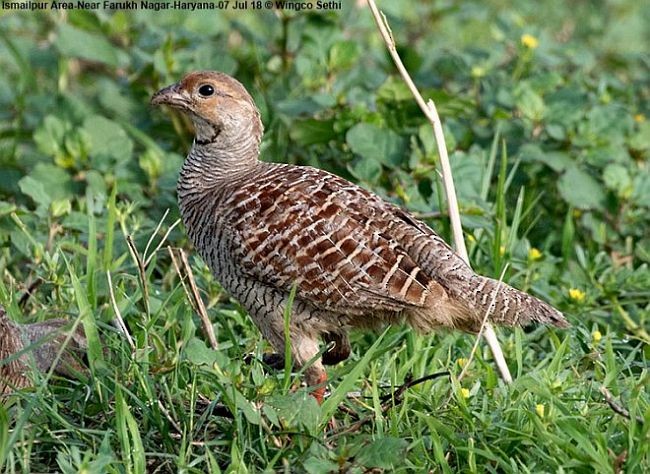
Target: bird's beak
x=172, y=96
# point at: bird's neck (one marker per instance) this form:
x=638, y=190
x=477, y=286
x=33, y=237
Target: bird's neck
x=221, y=156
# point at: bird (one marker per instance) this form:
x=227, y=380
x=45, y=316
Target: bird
x=37, y=345
x=268, y=231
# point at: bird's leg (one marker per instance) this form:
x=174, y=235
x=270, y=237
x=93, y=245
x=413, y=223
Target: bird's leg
x=319, y=381
x=303, y=349
x=338, y=353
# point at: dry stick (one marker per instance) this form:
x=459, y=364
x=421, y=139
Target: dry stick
x=168, y=415
x=141, y=272
x=118, y=315
x=203, y=313
x=609, y=398
x=483, y=323
x=153, y=234
x=388, y=402
x=177, y=267
x=429, y=110
x=161, y=243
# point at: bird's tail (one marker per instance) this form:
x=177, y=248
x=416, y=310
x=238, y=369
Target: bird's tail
x=505, y=305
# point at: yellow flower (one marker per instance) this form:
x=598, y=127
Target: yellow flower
x=502, y=250
x=539, y=409
x=576, y=295
x=478, y=71
x=471, y=238
x=462, y=362
x=464, y=392
x=596, y=336
x=529, y=41
x=534, y=254
x=639, y=118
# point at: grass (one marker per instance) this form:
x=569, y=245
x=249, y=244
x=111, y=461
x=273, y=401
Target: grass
x=549, y=150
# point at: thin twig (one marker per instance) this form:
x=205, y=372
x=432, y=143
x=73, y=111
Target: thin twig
x=169, y=417
x=161, y=243
x=153, y=234
x=141, y=271
x=429, y=110
x=199, y=306
x=396, y=396
x=177, y=267
x=389, y=401
x=484, y=322
x=609, y=398
x=119, y=321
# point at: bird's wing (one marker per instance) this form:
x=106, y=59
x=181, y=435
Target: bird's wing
x=305, y=227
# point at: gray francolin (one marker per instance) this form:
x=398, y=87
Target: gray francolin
x=37, y=345
x=354, y=259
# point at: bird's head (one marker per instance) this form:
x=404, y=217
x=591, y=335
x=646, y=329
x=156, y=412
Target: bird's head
x=215, y=102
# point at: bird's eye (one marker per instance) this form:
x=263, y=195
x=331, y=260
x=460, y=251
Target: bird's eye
x=206, y=90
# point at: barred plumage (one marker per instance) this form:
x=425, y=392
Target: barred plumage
x=37, y=345
x=355, y=260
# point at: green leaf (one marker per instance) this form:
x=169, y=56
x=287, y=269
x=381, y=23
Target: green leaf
x=343, y=54
x=35, y=190
x=641, y=139
x=198, y=353
x=56, y=181
x=316, y=465
x=581, y=190
x=108, y=140
x=312, y=131
x=368, y=171
x=394, y=89
x=641, y=193
x=50, y=135
x=60, y=207
x=384, y=453
x=77, y=43
x=530, y=103
x=618, y=179
x=375, y=143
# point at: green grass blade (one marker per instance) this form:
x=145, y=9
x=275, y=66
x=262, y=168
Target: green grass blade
x=331, y=404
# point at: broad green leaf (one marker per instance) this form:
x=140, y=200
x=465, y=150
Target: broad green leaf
x=311, y=131
x=78, y=43
x=641, y=193
x=198, y=353
x=35, y=190
x=618, y=179
x=375, y=143
x=316, y=465
x=641, y=139
x=394, y=89
x=368, y=171
x=530, y=103
x=383, y=453
x=57, y=182
x=50, y=135
x=580, y=189
x=343, y=54
x=108, y=141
